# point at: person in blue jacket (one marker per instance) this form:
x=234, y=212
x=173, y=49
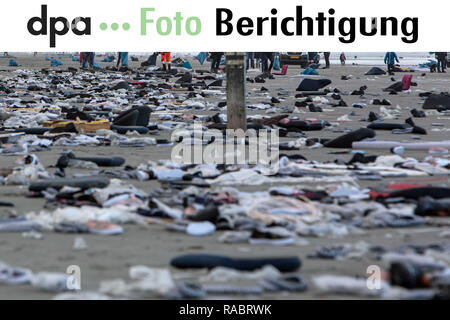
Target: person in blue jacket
x=390, y=59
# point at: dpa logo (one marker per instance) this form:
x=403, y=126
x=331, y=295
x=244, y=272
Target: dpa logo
x=37, y=26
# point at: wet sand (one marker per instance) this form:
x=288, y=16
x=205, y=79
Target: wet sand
x=110, y=257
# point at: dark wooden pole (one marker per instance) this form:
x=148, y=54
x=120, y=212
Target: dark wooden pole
x=236, y=111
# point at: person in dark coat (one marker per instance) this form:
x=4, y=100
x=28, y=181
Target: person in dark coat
x=327, y=59
x=216, y=57
x=263, y=60
x=250, y=60
x=267, y=57
x=270, y=56
x=442, y=61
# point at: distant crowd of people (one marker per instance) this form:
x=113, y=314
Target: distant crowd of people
x=87, y=59
x=263, y=60
x=267, y=60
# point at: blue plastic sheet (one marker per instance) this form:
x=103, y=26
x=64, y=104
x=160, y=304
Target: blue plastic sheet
x=201, y=57
x=187, y=65
x=56, y=63
x=310, y=71
x=96, y=65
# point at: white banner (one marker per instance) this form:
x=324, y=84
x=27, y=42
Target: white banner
x=231, y=25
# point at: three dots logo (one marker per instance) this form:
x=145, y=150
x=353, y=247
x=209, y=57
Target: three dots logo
x=115, y=26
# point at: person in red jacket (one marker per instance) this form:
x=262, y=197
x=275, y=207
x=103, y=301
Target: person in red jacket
x=342, y=58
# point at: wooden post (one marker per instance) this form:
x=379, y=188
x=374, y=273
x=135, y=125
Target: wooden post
x=236, y=110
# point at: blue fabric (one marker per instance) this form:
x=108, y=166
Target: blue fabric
x=56, y=63
x=96, y=65
x=108, y=59
x=186, y=65
x=75, y=58
x=223, y=61
x=201, y=57
x=88, y=56
x=276, y=64
x=13, y=63
x=310, y=71
x=124, y=58
x=428, y=64
x=47, y=59
x=390, y=58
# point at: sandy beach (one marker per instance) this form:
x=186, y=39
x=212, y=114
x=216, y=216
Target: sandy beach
x=109, y=257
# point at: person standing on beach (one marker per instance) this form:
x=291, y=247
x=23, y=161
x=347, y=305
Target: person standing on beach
x=390, y=59
x=122, y=57
x=216, y=57
x=90, y=59
x=269, y=56
x=87, y=59
x=262, y=59
x=342, y=58
x=166, y=60
x=442, y=61
x=326, y=55
x=250, y=60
